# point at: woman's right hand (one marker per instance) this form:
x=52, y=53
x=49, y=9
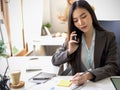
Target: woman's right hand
x=72, y=44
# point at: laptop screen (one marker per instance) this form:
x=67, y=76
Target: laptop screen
x=3, y=66
x=116, y=83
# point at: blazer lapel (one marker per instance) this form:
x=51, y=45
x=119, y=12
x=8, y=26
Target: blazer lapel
x=99, y=46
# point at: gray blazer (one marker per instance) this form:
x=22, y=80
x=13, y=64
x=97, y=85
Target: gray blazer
x=105, y=56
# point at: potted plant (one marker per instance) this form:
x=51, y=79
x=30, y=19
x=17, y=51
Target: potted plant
x=2, y=49
x=3, y=78
x=44, y=31
x=48, y=25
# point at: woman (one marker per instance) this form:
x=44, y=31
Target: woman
x=94, y=52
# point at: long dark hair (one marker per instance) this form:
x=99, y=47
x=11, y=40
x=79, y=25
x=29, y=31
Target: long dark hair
x=81, y=4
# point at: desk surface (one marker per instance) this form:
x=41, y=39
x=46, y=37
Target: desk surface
x=48, y=41
x=44, y=62
x=104, y=84
x=23, y=63
x=32, y=62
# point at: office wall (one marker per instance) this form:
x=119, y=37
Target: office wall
x=104, y=9
x=46, y=11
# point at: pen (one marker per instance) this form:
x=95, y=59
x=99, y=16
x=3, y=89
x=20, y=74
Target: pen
x=73, y=87
x=40, y=78
x=78, y=74
x=28, y=70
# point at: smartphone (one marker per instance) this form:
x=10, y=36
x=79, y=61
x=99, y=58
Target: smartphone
x=75, y=38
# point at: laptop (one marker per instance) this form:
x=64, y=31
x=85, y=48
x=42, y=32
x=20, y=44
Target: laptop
x=116, y=82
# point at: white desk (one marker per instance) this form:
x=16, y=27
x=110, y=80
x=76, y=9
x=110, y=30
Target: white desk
x=44, y=62
x=49, y=40
x=47, y=45
x=23, y=63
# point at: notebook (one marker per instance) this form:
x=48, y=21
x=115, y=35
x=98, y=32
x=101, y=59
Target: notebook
x=116, y=82
x=42, y=77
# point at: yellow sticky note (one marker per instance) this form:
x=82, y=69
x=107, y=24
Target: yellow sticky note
x=64, y=83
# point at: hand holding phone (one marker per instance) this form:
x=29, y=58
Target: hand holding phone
x=73, y=43
x=75, y=38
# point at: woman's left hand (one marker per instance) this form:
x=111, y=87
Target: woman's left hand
x=80, y=79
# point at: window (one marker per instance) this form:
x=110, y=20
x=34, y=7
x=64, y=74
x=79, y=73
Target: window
x=25, y=22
